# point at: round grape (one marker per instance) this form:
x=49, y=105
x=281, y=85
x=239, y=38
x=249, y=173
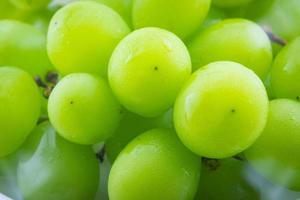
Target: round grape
x=221, y=110
x=83, y=109
x=155, y=165
x=237, y=40
x=20, y=108
x=147, y=69
x=82, y=36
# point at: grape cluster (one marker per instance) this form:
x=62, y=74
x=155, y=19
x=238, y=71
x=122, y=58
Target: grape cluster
x=149, y=99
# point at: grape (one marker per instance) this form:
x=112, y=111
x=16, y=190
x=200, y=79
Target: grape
x=23, y=46
x=20, y=106
x=57, y=169
x=155, y=165
x=221, y=110
x=82, y=36
x=228, y=176
x=275, y=154
x=131, y=126
x=83, y=109
x=237, y=40
x=285, y=74
x=230, y=3
x=281, y=16
x=177, y=16
x=123, y=7
x=147, y=69
x=30, y=4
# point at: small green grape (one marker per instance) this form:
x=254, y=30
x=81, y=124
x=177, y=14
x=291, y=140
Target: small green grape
x=20, y=107
x=82, y=36
x=230, y=3
x=30, y=4
x=275, y=154
x=285, y=73
x=131, y=126
x=23, y=46
x=177, y=16
x=221, y=110
x=83, y=109
x=237, y=40
x=155, y=165
x=147, y=69
x=228, y=176
x=56, y=168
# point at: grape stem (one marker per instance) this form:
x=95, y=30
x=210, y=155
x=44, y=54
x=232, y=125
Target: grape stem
x=210, y=163
x=51, y=80
x=101, y=154
x=274, y=38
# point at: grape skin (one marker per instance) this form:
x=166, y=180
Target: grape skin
x=23, y=46
x=20, y=107
x=155, y=165
x=53, y=168
x=102, y=29
x=177, y=16
x=275, y=154
x=285, y=73
x=221, y=110
x=83, y=109
x=147, y=69
x=237, y=40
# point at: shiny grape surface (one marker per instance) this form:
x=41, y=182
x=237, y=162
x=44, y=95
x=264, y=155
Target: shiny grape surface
x=20, y=107
x=221, y=110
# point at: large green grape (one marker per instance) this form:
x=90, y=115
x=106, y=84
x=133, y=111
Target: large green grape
x=177, y=16
x=123, y=7
x=30, y=4
x=23, y=46
x=83, y=109
x=221, y=110
x=285, y=74
x=237, y=40
x=228, y=176
x=82, y=36
x=20, y=107
x=155, y=165
x=275, y=154
x=147, y=69
x=230, y=3
x=131, y=126
x=57, y=169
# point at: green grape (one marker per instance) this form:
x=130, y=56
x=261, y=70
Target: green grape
x=82, y=36
x=230, y=3
x=155, y=165
x=147, y=69
x=177, y=16
x=20, y=107
x=221, y=110
x=123, y=7
x=275, y=154
x=23, y=46
x=285, y=74
x=57, y=169
x=131, y=126
x=7, y=10
x=83, y=109
x=228, y=176
x=281, y=16
x=237, y=40
x=30, y=4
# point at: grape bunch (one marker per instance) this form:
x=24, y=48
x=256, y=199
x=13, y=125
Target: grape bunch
x=149, y=99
